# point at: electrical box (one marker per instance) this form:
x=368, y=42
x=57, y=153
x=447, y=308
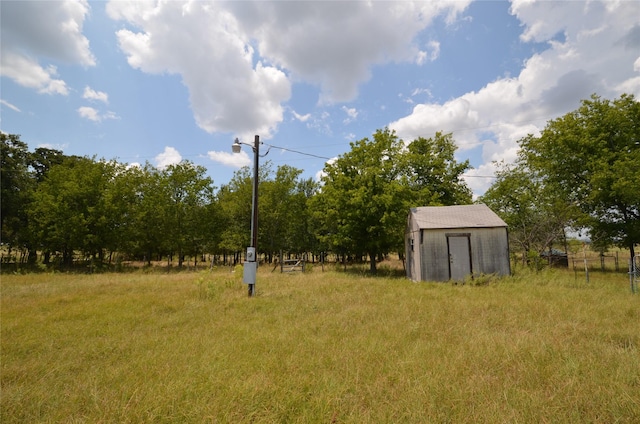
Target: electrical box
x=249, y=274
x=251, y=254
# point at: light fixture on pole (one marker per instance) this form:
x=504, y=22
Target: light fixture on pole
x=251, y=260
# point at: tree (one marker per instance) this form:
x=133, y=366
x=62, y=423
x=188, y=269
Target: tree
x=592, y=157
x=15, y=190
x=433, y=173
x=366, y=194
x=235, y=200
x=148, y=209
x=536, y=217
x=187, y=191
x=42, y=159
x=300, y=236
x=68, y=212
x=283, y=212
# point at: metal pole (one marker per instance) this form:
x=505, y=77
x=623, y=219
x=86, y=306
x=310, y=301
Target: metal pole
x=254, y=208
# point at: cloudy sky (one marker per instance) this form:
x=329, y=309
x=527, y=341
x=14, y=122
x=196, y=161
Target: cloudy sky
x=164, y=81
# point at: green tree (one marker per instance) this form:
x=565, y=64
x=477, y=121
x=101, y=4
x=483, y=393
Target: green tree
x=283, y=212
x=42, y=159
x=536, y=217
x=149, y=204
x=364, y=200
x=188, y=192
x=234, y=200
x=300, y=237
x=433, y=173
x=69, y=208
x=366, y=193
x=592, y=157
x=15, y=190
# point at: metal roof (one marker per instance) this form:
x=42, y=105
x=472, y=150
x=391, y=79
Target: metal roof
x=460, y=216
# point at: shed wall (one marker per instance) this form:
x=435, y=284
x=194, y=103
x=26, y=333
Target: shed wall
x=413, y=249
x=489, y=252
x=434, y=256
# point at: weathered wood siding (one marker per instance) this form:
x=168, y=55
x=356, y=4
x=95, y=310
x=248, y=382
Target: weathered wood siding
x=429, y=260
x=428, y=246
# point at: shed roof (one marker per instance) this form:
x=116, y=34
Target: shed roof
x=460, y=216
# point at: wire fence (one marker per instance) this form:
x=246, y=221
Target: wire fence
x=634, y=273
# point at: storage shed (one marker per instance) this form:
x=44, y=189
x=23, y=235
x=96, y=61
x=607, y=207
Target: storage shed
x=452, y=242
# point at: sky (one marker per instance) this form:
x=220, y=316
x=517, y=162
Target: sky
x=166, y=81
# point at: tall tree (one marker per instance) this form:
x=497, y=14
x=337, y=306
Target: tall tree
x=188, y=191
x=592, y=157
x=148, y=217
x=536, y=216
x=15, y=189
x=42, y=159
x=69, y=208
x=366, y=193
x=234, y=200
x=364, y=201
x=283, y=212
x=433, y=173
x=300, y=237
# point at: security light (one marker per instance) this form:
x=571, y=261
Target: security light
x=235, y=147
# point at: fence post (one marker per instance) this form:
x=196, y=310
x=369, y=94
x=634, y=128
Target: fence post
x=634, y=273
x=586, y=266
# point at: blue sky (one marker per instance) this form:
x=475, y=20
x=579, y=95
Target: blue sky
x=164, y=81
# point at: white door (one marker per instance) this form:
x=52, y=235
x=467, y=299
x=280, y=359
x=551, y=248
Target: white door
x=459, y=257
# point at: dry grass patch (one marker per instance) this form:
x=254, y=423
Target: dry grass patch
x=319, y=347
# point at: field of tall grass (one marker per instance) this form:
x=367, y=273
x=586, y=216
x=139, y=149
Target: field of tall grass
x=319, y=347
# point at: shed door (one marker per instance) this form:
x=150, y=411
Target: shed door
x=459, y=257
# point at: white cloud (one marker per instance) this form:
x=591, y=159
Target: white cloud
x=352, y=114
x=253, y=49
x=432, y=53
x=52, y=146
x=47, y=30
x=91, y=94
x=301, y=118
x=320, y=174
x=204, y=44
x=596, y=53
x=94, y=114
x=10, y=106
x=28, y=73
x=89, y=113
x=334, y=44
x=236, y=160
x=170, y=156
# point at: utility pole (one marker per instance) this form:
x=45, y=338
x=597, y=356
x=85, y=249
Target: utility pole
x=250, y=267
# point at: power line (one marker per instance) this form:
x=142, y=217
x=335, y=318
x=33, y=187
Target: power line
x=298, y=152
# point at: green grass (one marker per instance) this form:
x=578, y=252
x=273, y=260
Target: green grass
x=320, y=347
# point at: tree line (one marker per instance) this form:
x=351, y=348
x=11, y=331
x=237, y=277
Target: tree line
x=57, y=208
x=581, y=172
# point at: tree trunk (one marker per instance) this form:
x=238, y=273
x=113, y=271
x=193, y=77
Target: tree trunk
x=372, y=260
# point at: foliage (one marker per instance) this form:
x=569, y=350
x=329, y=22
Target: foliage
x=592, y=157
x=15, y=187
x=536, y=216
x=366, y=193
x=69, y=211
x=433, y=174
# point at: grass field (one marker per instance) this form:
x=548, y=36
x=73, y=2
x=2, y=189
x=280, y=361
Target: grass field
x=328, y=347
